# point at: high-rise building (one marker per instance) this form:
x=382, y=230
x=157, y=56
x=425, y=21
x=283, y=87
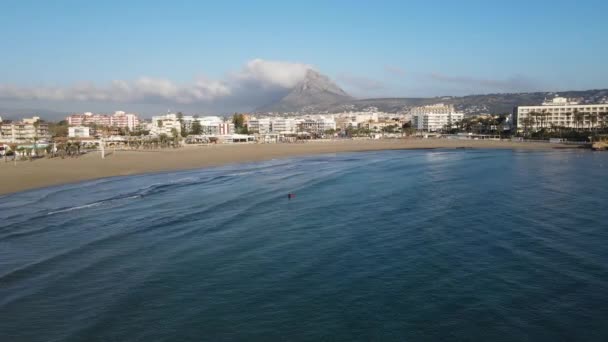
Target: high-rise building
x=119, y=119
x=561, y=112
x=262, y=126
x=434, y=117
x=26, y=130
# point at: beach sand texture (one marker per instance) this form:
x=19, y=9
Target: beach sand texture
x=45, y=172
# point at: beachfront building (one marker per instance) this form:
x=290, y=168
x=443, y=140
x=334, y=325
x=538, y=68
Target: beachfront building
x=355, y=119
x=272, y=125
x=433, y=118
x=214, y=125
x=317, y=125
x=561, y=112
x=165, y=124
x=283, y=125
x=119, y=119
x=79, y=132
x=259, y=125
x=26, y=130
x=209, y=125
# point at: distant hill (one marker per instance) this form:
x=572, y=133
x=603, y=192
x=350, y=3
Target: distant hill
x=317, y=94
x=19, y=113
x=315, y=90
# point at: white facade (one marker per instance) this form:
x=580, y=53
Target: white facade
x=26, y=130
x=283, y=125
x=79, y=132
x=125, y=120
x=318, y=125
x=262, y=126
x=210, y=125
x=119, y=119
x=165, y=124
x=435, y=117
x=561, y=112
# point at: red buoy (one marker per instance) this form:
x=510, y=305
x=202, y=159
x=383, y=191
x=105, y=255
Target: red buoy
x=290, y=196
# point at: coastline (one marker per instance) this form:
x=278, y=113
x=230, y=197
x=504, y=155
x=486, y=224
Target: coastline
x=50, y=172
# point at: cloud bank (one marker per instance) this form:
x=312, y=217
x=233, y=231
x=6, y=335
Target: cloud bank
x=257, y=83
x=258, y=76
x=514, y=83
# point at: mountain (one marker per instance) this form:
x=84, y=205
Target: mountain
x=7, y=113
x=471, y=104
x=314, y=90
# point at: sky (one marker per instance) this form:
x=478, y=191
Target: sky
x=221, y=56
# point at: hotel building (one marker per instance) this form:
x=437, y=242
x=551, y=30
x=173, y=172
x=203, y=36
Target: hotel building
x=261, y=126
x=119, y=119
x=79, y=132
x=434, y=117
x=318, y=125
x=562, y=112
x=210, y=125
x=26, y=130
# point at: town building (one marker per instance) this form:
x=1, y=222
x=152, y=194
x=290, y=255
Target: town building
x=79, y=132
x=561, y=112
x=283, y=125
x=119, y=119
x=26, y=130
x=261, y=126
x=165, y=124
x=317, y=125
x=214, y=125
x=209, y=125
x=433, y=118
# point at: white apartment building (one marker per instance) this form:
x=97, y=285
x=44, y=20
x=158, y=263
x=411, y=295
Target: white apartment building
x=79, y=132
x=214, y=125
x=433, y=118
x=26, y=130
x=124, y=120
x=210, y=125
x=283, y=125
x=262, y=126
x=119, y=119
x=563, y=112
x=317, y=125
x=164, y=124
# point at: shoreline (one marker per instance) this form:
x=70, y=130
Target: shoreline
x=43, y=173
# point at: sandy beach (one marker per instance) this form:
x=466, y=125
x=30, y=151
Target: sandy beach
x=45, y=172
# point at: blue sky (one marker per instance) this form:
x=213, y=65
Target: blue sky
x=56, y=53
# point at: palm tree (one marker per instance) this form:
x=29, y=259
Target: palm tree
x=543, y=116
x=568, y=115
x=602, y=117
x=579, y=118
x=13, y=148
x=592, y=117
x=532, y=122
x=77, y=145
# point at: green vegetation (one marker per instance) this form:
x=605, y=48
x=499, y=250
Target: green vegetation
x=488, y=124
x=196, y=128
x=239, y=123
x=58, y=129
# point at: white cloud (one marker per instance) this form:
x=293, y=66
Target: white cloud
x=256, y=74
x=514, y=83
x=273, y=73
x=142, y=89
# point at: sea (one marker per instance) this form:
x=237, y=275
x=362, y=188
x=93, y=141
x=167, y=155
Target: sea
x=418, y=245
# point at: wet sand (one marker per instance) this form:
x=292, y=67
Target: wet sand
x=45, y=172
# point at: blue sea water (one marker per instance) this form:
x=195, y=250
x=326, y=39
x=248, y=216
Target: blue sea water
x=460, y=245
